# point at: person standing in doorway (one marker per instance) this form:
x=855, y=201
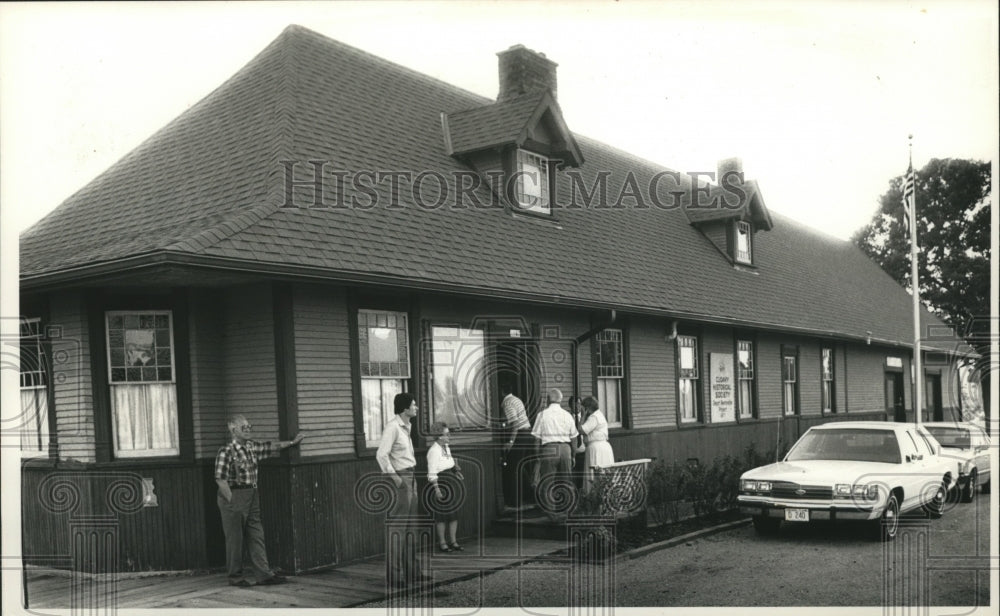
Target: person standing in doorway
x=395, y=458
x=517, y=445
x=236, y=473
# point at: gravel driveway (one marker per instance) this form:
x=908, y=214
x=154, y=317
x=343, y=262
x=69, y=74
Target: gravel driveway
x=814, y=565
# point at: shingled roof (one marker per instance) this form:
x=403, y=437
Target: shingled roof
x=209, y=187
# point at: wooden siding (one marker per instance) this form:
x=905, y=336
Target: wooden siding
x=810, y=397
x=840, y=376
x=248, y=347
x=651, y=366
x=768, y=374
x=171, y=536
x=207, y=373
x=74, y=394
x=866, y=371
x=323, y=370
x=718, y=234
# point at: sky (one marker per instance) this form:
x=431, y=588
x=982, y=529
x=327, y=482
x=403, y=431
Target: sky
x=816, y=98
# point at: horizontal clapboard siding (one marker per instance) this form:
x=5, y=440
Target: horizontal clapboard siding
x=207, y=373
x=248, y=346
x=74, y=391
x=651, y=369
x=323, y=370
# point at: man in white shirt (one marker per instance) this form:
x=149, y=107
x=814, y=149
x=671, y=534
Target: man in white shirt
x=554, y=429
x=395, y=458
x=517, y=445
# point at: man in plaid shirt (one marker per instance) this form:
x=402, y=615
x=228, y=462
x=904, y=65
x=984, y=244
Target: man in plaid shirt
x=239, y=503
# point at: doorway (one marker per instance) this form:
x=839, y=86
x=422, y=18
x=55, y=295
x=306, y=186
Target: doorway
x=518, y=370
x=517, y=366
x=932, y=398
x=894, y=403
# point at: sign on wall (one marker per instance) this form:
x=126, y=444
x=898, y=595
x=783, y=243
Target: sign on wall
x=723, y=400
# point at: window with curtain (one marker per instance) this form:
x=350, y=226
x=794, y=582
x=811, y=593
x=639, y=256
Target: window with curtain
x=384, y=358
x=610, y=368
x=745, y=369
x=532, y=183
x=826, y=370
x=687, y=377
x=459, y=378
x=789, y=380
x=142, y=381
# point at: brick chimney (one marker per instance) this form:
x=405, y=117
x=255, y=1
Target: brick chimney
x=729, y=166
x=522, y=71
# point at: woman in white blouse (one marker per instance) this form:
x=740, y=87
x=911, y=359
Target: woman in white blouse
x=595, y=430
x=445, y=478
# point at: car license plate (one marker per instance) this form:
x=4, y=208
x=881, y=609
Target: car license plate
x=796, y=515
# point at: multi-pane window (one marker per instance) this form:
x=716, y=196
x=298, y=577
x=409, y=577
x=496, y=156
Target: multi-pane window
x=459, y=377
x=141, y=379
x=384, y=357
x=744, y=252
x=687, y=377
x=34, y=394
x=745, y=374
x=789, y=381
x=826, y=377
x=610, y=370
x=532, y=182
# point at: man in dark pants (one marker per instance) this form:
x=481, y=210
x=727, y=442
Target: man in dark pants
x=518, y=443
x=239, y=504
x=395, y=458
x=554, y=430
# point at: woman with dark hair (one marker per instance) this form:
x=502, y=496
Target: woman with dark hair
x=445, y=478
x=595, y=429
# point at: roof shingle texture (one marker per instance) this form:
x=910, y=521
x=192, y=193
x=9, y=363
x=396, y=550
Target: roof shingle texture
x=212, y=182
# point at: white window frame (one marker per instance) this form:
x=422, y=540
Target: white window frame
x=693, y=378
x=745, y=376
x=536, y=179
x=610, y=374
x=827, y=381
x=461, y=335
x=789, y=385
x=382, y=373
x=36, y=426
x=114, y=383
x=744, y=229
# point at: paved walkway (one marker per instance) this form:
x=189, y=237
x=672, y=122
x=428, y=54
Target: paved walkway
x=343, y=586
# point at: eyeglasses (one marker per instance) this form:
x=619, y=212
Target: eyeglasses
x=246, y=427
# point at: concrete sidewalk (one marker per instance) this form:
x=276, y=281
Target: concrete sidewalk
x=343, y=586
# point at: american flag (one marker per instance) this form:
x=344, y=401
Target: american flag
x=908, y=189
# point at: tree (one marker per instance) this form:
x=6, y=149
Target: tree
x=953, y=234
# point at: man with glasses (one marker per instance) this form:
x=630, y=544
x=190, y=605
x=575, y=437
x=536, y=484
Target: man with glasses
x=239, y=503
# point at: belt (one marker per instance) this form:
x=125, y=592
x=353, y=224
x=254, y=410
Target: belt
x=242, y=487
x=556, y=443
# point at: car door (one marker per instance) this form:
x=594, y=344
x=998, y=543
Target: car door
x=911, y=472
x=981, y=450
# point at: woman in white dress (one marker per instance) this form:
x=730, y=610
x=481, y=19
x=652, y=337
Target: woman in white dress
x=595, y=430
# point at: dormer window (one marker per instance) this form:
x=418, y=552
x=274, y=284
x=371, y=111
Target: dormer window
x=744, y=252
x=532, y=191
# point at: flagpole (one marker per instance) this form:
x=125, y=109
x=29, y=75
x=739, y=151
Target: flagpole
x=918, y=399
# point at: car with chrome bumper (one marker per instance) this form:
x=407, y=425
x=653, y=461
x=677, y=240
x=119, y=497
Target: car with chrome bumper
x=969, y=446
x=852, y=470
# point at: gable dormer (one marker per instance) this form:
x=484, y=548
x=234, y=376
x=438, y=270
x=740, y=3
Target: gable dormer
x=522, y=137
x=730, y=212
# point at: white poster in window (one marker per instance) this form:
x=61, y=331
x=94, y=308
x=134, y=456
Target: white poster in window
x=723, y=402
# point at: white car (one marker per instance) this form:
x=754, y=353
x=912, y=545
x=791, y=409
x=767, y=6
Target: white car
x=850, y=470
x=969, y=446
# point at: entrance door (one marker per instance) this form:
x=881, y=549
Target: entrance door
x=932, y=398
x=517, y=366
x=894, y=404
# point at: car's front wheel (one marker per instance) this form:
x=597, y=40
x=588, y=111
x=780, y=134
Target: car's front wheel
x=765, y=525
x=969, y=489
x=887, y=524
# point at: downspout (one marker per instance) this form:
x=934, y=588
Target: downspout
x=576, y=345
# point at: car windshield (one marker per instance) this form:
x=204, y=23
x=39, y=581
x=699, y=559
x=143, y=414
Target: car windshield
x=951, y=437
x=847, y=444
